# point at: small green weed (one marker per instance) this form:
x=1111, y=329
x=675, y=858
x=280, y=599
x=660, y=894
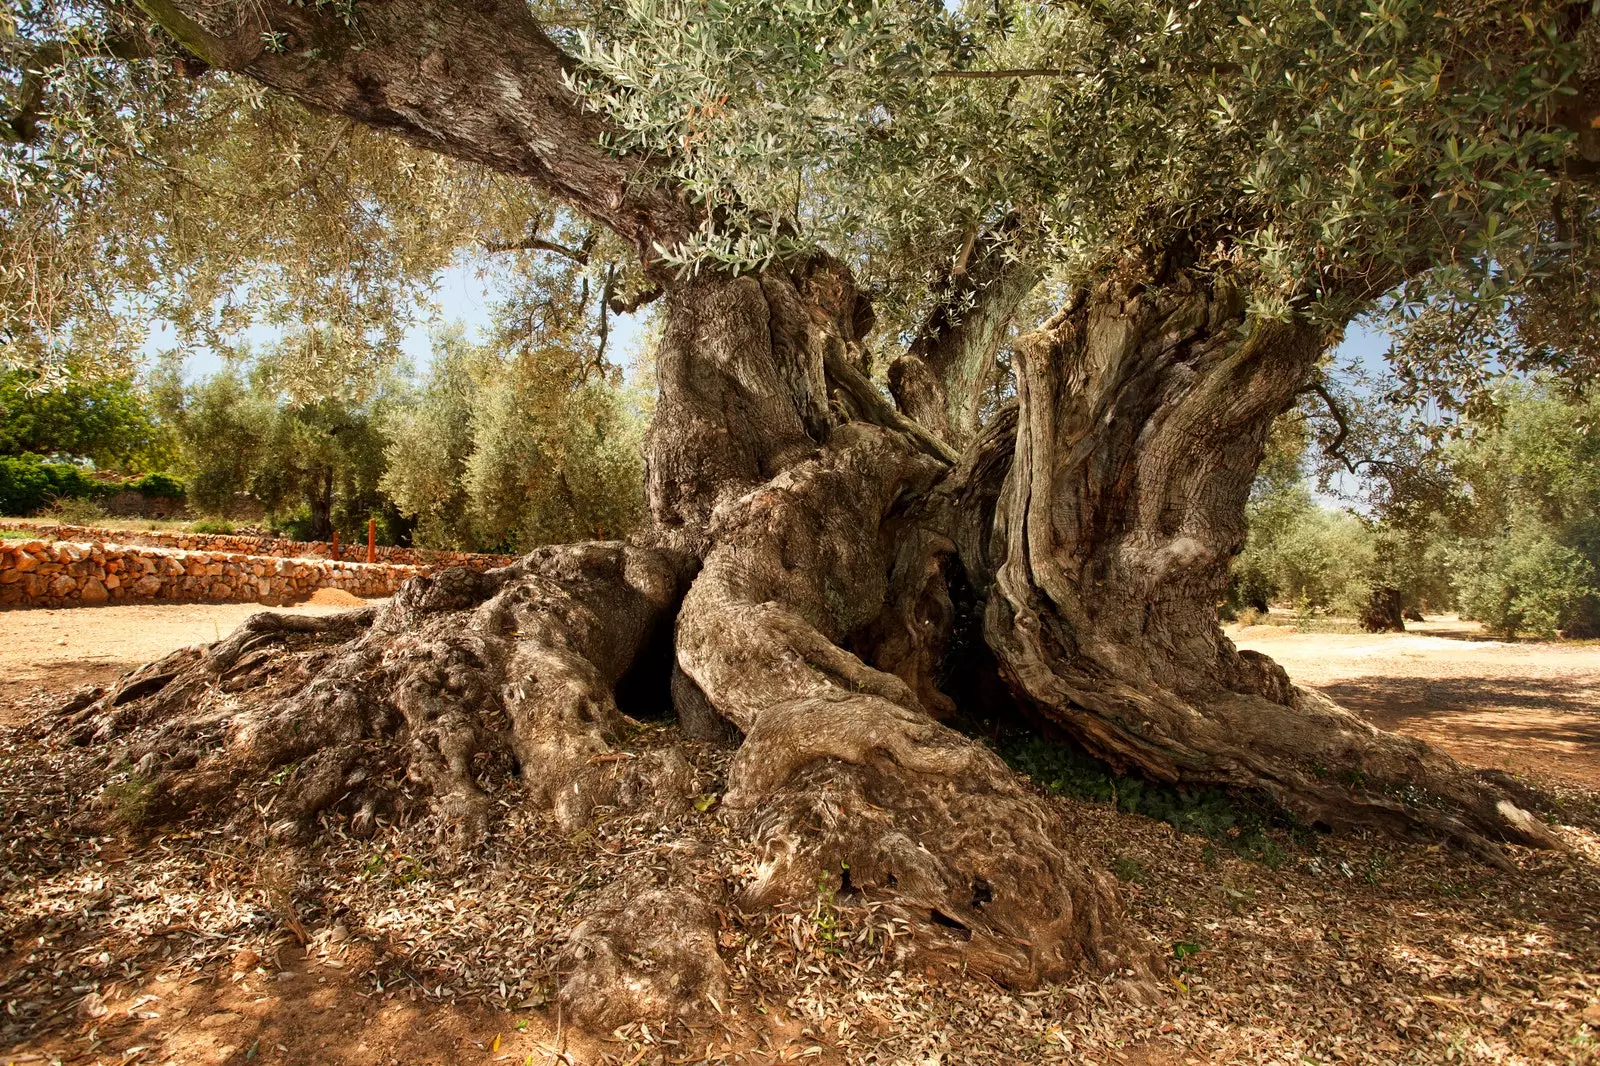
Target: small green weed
x=825, y=916
x=1238, y=820
x=398, y=867
x=130, y=799
x=1131, y=870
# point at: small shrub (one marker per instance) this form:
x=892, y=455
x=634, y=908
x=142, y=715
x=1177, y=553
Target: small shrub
x=1527, y=583
x=1252, y=616
x=211, y=525
x=28, y=482
x=159, y=486
x=1250, y=585
x=23, y=484
x=296, y=526
x=1305, y=612
x=68, y=482
x=75, y=512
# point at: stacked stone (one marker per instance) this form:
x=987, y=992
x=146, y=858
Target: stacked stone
x=292, y=549
x=72, y=574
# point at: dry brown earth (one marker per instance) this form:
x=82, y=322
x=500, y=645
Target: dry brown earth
x=1529, y=707
x=58, y=650
x=119, y=948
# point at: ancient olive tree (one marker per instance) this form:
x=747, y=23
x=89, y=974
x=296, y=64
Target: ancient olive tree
x=1092, y=248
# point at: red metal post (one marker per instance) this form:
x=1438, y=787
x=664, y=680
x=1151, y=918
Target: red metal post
x=336, y=545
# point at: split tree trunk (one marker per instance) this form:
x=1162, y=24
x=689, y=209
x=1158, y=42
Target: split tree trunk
x=1143, y=415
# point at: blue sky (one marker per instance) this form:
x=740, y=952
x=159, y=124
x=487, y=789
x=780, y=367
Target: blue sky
x=463, y=296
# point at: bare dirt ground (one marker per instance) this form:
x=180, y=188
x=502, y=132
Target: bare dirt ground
x=180, y=944
x=1529, y=707
x=59, y=650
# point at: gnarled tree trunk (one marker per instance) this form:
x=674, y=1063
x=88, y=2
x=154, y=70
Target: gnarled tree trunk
x=805, y=542
x=806, y=535
x=1142, y=415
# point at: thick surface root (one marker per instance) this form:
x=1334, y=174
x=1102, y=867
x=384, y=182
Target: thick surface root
x=859, y=797
x=1323, y=764
x=466, y=692
x=426, y=705
x=845, y=780
x=645, y=952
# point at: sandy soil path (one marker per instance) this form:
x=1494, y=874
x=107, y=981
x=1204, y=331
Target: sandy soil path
x=1526, y=707
x=56, y=650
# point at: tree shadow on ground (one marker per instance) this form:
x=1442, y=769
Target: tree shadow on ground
x=1542, y=724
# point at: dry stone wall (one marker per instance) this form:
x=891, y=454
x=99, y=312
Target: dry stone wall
x=293, y=549
x=82, y=574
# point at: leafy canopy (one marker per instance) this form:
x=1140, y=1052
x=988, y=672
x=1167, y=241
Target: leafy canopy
x=209, y=203
x=1325, y=150
x=1324, y=154
x=108, y=422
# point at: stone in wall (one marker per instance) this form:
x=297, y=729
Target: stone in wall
x=227, y=542
x=72, y=574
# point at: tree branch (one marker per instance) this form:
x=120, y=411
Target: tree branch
x=539, y=244
x=605, y=312
x=1336, y=412
x=960, y=338
x=23, y=124
x=1335, y=448
x=621, y=306
x=480, y=82
x=1015, y=72
x=870, y=406
x=224, y=53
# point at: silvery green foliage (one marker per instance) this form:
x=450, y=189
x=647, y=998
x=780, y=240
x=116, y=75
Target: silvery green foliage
x=132, y=192
x=1328, y=151
x=1325, y=153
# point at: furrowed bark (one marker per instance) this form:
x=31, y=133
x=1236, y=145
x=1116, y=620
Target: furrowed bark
x=1143, y=414
x=811, y=556
x=844, y=777
x=942, y=378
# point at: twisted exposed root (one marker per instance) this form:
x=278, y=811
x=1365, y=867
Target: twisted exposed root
x=463, y=681
x=845, y=780
x=861, y=796
x=1249, y=727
